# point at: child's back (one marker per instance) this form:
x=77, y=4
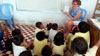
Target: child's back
x=80, y=47
x=53, y=31
x=39, y=42
x=18, y=45
x=58, y=45
x=75, y=29
x=84, y=32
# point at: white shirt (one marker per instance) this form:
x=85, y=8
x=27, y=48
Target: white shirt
x=91, y=52
x=18, y=49
x=52, y=34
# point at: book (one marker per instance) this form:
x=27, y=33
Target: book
x=66, y=8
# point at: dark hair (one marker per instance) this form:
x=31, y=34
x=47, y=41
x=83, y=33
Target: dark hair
x=59, y=39
x=74, y=29
x=38, y=24
x=84, y=27
x=77, y=1
x=26, y=53
x=49, y=26
x=16, y=32
x=56, y=55
x=18, y=39
x=80, y=45
x=41, y=36
x=46, y=51
x=54, y=26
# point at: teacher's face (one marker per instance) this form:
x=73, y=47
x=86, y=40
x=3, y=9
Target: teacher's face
x=75, y=4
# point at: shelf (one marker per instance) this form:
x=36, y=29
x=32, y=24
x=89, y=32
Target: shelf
x=98, y=4
x=97, y=15
x=97, y=8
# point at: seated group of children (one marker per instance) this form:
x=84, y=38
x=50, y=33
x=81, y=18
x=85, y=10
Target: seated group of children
x=50, y=41
x=53, y=42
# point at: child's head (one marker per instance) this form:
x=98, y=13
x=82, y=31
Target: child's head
x=39, y=25
x=49, y=26
x=26, y=53
x=16, y=32
x=75, y=29
x=80, y=45
x=18, y=40
x=56, y=55
x=54, y=26
x=46, y=51
x=41, y=35
x=84, y=27
x=59, y=39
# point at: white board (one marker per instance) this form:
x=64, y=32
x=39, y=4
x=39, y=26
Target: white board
x=40, y=5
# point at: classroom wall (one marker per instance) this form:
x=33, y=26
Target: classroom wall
x=31, y=17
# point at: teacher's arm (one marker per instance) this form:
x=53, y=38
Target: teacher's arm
x=76, y=17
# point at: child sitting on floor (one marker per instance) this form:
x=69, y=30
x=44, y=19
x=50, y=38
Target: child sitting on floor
x=39, y=27
x=8, y=42
x=18, y=45
x=53, y=31
x=18, y=32
x=1, y=38
x=84, y=32
x=80, y=47
x=75, y=29
x=46, y=51
x=39, y=42
x=58, y=45
x=48, y=28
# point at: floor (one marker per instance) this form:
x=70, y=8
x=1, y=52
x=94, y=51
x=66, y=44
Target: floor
x=28, y=33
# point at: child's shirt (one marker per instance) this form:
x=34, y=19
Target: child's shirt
x=68, y=40
x=47, y=32
x=38, y=45
x=37, y=30
x=91, y=52
x=52, y=34
x=58, y=49
x=18, y=49
x=86, y=36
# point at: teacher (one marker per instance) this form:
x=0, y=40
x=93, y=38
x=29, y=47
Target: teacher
x=75, y=15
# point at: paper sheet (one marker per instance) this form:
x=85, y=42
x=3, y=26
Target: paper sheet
x=96, y=23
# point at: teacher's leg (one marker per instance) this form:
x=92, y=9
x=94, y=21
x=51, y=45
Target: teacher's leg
x=68, y=26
